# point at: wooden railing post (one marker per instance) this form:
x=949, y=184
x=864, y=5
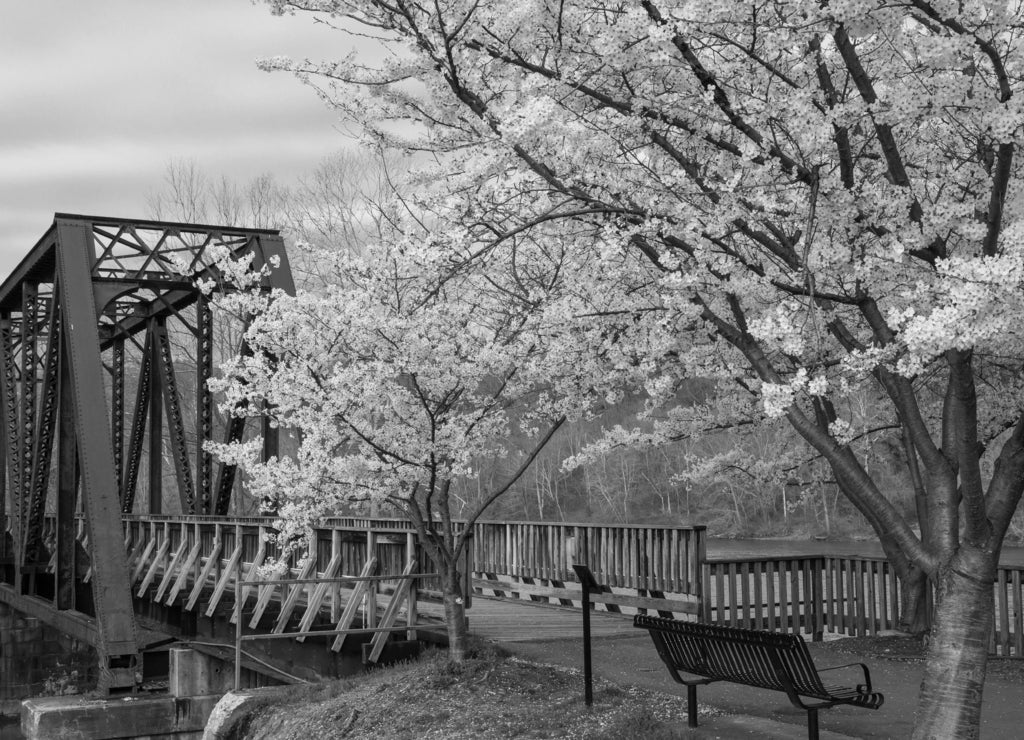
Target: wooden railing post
x=571, y=546
x=412, y=555
x=467, y=570
x=370, y=618
x=817, y=618
x=335, y=587
x=700, y=574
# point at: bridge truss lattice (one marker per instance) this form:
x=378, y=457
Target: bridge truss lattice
x=99, y=324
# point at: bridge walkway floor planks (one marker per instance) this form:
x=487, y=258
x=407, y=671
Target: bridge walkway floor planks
x=501, y=620
x=507, y=620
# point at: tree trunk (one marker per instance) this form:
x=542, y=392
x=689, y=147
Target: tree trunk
x=949, y=705
x=455, y=614
x=915, y=616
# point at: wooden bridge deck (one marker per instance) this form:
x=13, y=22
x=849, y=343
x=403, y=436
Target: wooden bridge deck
x=182, y=574
x=508, y=620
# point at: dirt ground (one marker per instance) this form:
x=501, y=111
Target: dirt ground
x=912, y=650
x=497, y=696
x=537, y=693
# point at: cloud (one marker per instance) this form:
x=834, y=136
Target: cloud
x=96, y=98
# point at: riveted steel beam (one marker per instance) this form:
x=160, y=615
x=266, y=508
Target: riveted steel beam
x=175, y=422
x=272, y=252
x=119, y=646
x=67, y=493
x=26, y=416
x=204, y=404
x=271, y=448
x=6, y=548
x=11, y=424
x=156, y=422
x=117, y=409
x=45, y=427
x=131, y=471
x=226, y=477
x=161, y=307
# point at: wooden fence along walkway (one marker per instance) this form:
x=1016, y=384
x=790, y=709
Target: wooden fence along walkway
x=646, y=568
x=185, y=557
x=853, y=596
x=1008, y=628
x=352, y=576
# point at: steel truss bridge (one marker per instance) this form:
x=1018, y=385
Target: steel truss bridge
x=106, y=347
x=117, y=528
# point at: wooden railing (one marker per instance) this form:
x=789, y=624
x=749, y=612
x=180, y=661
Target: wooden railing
x=854, y=596
x=638, y=557
x=861, y=596
x=648, y=567
x=214, y=565
x=851, y=596
x=179, y=543
x=644, y=567
x=1008, y=623
x=780, y=594
x=655, y=567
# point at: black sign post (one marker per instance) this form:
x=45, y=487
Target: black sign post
x=589, y=584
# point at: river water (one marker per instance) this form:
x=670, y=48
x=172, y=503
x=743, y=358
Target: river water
x=10, y=728
x=722, y=549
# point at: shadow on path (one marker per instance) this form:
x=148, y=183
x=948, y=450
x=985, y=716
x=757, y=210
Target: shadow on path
x=760, y=713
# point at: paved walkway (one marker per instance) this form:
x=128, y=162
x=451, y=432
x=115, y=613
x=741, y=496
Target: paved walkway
x=512, y=621
x=627, y=657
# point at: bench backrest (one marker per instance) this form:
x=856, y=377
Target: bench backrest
x=763, y=659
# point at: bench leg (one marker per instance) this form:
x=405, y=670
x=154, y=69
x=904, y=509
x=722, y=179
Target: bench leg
x=691, y=705
x=812, y=724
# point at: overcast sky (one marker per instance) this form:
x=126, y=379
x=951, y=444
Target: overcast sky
x=97, y=97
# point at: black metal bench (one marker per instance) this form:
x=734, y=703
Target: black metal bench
x=766, y=660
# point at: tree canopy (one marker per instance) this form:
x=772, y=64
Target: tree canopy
x=811, y=203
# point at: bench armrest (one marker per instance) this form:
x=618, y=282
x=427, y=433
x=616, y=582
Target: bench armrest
x=863, y=688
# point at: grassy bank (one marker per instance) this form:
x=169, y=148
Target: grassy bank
x=491, y=695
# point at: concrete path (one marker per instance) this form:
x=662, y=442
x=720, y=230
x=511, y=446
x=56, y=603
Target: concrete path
x=510, y=620
x=756, y=713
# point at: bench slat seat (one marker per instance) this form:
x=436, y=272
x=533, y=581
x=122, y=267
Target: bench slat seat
x=767, y=660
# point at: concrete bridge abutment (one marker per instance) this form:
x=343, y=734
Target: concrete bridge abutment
x=36, y=658
x=196, y=683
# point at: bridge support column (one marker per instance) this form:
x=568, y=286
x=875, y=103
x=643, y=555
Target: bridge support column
x=118, y=647
x=136, y=717
x=197, y=683
x=35, y=657
x=194, y=674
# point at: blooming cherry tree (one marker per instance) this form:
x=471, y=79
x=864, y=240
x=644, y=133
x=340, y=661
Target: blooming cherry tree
x=807, y=199
x=399, y=387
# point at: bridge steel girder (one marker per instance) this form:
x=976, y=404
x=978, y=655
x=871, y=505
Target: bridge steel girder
x=204, y=404
x=26, y=428
x=12, y=480
x=119, y=649
x=172, y=404
x=142, y=403
x=90, y=286
x=45, y=425
x=117, y=408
